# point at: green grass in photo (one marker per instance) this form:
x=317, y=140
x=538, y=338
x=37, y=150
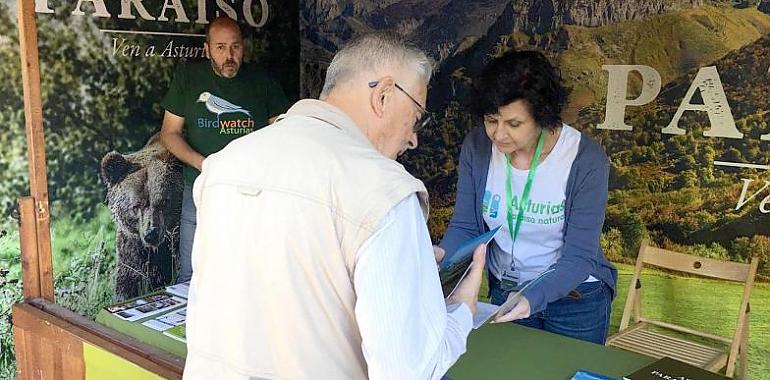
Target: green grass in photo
x=703, y=304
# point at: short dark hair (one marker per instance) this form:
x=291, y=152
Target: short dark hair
x=520, y=75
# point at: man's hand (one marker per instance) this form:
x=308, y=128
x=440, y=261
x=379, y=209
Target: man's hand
x=519, y=311
x=438, y=253
x=467, y=291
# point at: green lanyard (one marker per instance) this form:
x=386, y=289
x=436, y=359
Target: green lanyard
x=527, y=186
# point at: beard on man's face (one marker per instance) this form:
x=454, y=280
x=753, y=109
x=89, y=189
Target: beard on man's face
x=228, y=69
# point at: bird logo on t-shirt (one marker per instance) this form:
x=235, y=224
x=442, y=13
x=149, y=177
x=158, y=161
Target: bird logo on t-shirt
x=219, y=106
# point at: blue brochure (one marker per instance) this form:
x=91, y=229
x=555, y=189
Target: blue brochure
x=455, y=265
x=586, y=375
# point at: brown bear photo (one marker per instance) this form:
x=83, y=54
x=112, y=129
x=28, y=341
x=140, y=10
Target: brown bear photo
x=144, y=193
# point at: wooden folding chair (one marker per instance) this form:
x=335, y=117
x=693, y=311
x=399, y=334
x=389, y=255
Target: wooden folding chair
x=642, y=338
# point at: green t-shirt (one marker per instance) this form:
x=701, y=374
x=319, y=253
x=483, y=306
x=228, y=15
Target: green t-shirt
x=217, y=110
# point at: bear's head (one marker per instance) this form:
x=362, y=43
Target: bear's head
x=143, y=192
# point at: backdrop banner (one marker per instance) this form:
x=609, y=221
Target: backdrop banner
x=104, y=68
x=677, y=92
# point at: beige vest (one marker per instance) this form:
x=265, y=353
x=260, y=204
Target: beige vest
x=281, y=215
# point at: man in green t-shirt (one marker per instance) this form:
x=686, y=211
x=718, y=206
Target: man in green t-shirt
x=210, y=104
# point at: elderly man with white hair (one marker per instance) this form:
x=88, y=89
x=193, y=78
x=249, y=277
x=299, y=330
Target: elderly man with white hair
x=312, y=258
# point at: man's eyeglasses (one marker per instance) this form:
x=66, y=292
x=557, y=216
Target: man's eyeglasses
x=425, y=116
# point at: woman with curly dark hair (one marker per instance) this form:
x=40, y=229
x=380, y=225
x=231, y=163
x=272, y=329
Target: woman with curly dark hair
x=546, y=183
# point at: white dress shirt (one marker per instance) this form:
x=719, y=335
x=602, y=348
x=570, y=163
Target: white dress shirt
x=407, y=330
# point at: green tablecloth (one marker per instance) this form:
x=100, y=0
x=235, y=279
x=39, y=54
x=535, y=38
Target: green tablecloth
x=498, y=352
x=510, y=351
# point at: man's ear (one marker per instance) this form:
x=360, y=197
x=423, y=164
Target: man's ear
x=206, y=50
x=381, y=95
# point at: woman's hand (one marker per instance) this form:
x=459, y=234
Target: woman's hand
x=519, y=311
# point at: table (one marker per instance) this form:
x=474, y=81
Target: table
x=498, y=352
x=511, y=351
x=143, y=333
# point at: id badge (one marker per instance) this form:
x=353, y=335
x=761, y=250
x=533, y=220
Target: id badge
x=509, y=280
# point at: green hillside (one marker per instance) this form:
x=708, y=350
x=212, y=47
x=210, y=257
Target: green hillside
x=672, y=43
x=667, y=186
x=661, y=185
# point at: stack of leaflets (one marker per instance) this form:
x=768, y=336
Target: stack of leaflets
x=171, y=324
x=179, y=290
x=146, y=306
x=168, y=320
x=165, y=312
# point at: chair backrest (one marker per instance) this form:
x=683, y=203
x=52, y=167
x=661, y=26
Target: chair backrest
x=667, y=259
x=701, y=266
x=663, y=258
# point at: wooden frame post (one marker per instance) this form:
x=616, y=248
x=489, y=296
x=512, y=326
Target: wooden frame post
x=28, y=242
x=36, y=254
x=49, y=340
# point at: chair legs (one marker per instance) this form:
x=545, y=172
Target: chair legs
x=744, y=352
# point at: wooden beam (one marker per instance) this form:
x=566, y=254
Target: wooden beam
x=683, y=329
x=28, y=242
x=33, y=115
x=47, y=351
x=41, y=318
x=21, y=348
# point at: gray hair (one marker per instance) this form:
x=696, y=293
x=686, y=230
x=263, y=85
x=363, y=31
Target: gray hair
x=374, y=50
